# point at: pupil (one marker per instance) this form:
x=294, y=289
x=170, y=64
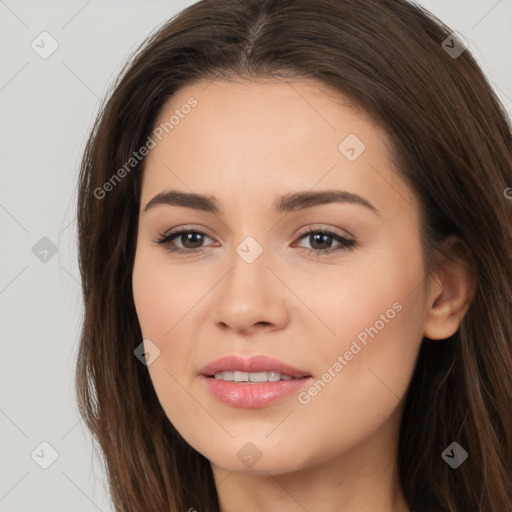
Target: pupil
x=318, y=236
x=191, y=237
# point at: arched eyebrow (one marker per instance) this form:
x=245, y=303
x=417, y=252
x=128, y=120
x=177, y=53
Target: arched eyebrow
x=286, y=203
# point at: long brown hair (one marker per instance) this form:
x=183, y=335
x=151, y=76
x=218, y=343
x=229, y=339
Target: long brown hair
x=452, y=144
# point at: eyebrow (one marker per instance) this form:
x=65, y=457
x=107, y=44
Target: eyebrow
x=284, y=204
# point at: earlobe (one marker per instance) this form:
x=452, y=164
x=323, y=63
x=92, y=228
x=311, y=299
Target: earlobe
x=452, y=289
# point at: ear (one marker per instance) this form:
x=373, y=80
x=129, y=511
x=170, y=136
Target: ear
x=451, y=290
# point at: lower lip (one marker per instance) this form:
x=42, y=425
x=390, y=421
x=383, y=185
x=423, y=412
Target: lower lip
x=253, y=395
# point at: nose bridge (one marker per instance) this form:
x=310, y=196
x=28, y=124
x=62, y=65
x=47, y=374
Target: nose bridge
x=250, y=293
x=248, y=270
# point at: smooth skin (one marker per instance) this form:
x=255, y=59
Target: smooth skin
x=246, y=143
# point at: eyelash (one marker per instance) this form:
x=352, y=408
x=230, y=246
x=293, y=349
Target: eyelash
x=345, y=243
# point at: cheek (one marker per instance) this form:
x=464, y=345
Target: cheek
x=366, y=366
x=367, y=374
x=163, y=302
x=162, y=295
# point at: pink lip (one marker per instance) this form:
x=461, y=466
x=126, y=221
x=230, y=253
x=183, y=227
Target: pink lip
x=252, y=395
x=253, y=364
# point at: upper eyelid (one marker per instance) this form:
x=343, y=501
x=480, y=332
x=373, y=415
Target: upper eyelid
x=331, y=231
x=179, y=231
x=309, y=227
x=302, y=231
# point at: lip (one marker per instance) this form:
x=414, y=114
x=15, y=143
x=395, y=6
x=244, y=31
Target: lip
x=257, y=363
x=252, y=395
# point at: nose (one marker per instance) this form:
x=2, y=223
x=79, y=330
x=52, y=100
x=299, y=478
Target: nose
x=250, y=298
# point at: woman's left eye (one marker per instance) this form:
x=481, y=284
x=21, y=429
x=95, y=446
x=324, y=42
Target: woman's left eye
x=191, y=241
x=325, y=237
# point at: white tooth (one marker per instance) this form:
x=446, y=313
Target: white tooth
x=240, y=376
x=258, y=377
x=255, y=377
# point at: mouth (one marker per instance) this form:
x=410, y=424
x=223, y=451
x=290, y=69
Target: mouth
x=252, y=377
x=252, y=383
x=255, y=369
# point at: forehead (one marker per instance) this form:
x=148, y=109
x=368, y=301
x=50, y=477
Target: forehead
x=273, y=112
x=265, y=135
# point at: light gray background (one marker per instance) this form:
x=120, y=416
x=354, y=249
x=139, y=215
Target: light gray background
x=47, y=108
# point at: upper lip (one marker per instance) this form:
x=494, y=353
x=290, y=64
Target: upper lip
x=253, y=364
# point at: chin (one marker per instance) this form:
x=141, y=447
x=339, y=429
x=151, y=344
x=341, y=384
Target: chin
x=258, y=457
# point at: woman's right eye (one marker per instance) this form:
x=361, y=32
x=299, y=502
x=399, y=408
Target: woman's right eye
x=185, y=237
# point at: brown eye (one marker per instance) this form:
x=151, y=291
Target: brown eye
x=191, y=241
x=321, y=241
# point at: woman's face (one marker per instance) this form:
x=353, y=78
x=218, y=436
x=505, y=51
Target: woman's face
x=349, y=315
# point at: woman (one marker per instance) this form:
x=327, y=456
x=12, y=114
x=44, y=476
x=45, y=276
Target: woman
x=294, y=242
